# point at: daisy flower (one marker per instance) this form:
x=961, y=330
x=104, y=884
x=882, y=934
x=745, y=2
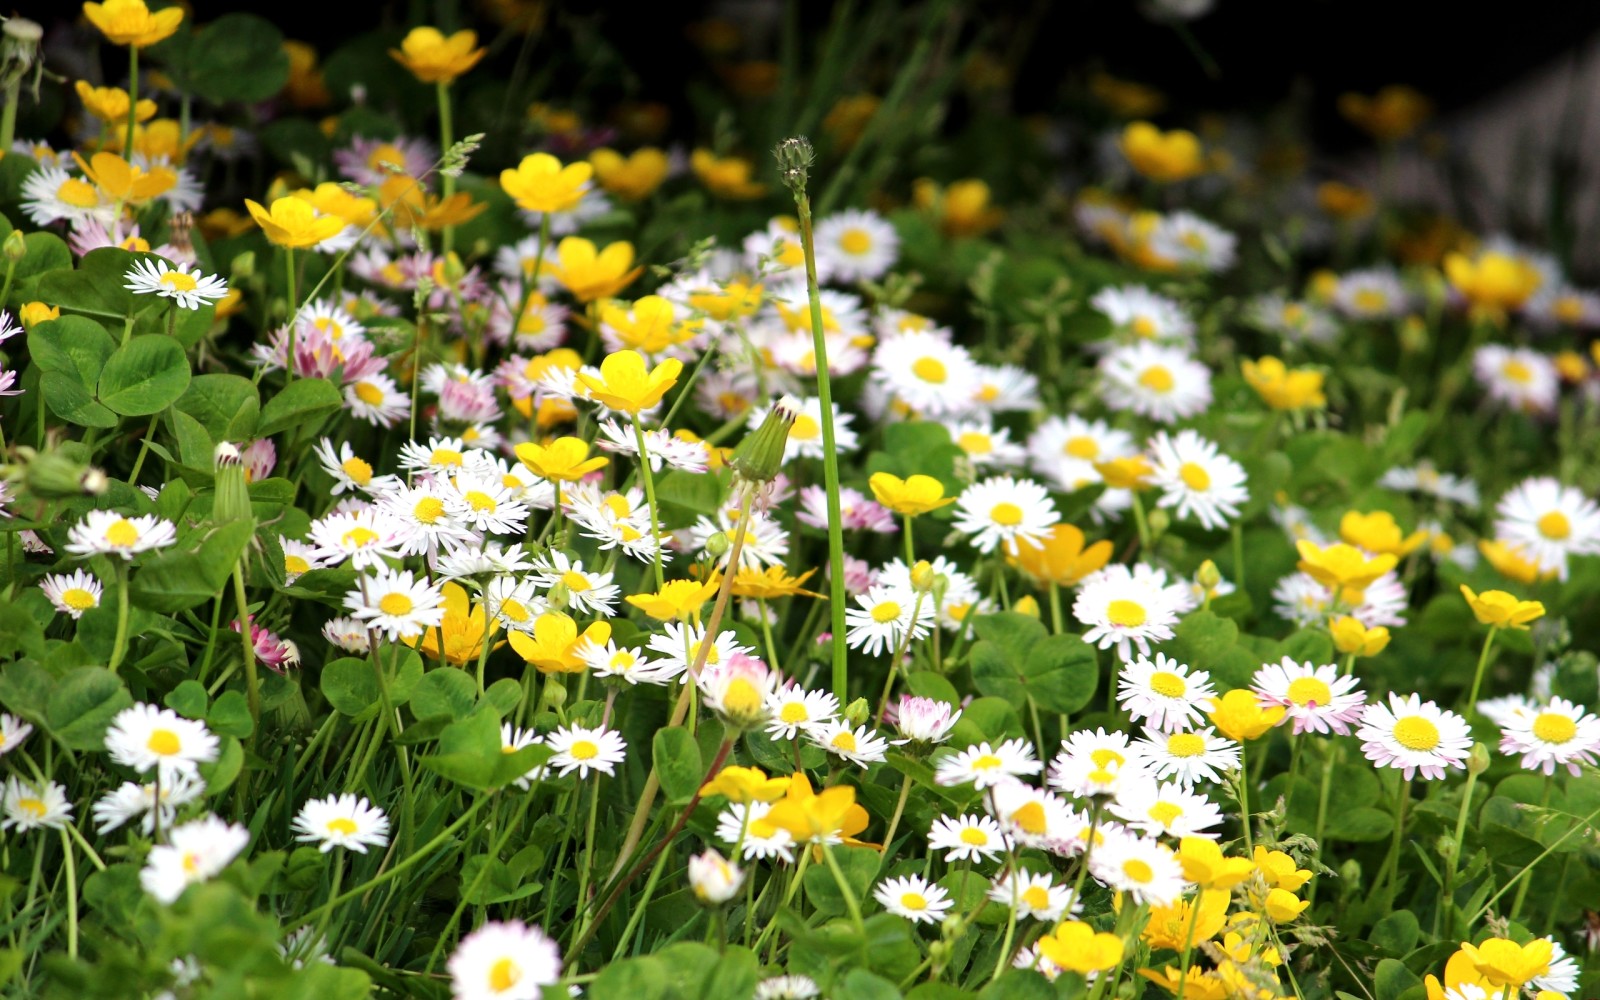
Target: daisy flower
x=582, y=749
x=396, y=603
x=1562, y=976
x=1096, y=763
x=1414, y=735
x=1549, y=522
x=1317, y=698
x=365, y=537
x=860, y=745
x=427, y=515
x=12, y=732
x=925, y=372
x=485, y=505
x=72, y=593
x=148, y=803
x=299, y=558
x=967, y=838
x=513, y=739
x=348, y=634
x=1168, y=809
x=713, y=878
x=1164, y=692
x=885, y=617
x=144, y=737
x=1519, y=377
x=1192, y=243
x=622, y=662
x=1197, y=479
x=493, y=559
x=787, y=988
x=1373, y=293
x=1145, y=315
x=1558, y=734
x=1162, y=383
x=196, y=852
x=342, y=821
x=986, y=445
x=376, y=399
x=1126, y=608
x=742, y=824
x=913, y=897
x=857, y=245
x=1187, y=758
x=922, y=720
x=792, y=709
x=52, y=194
x=1065, y=449
x=1005, y=510
x=33, y=807
x=1035, y=896
x=588, y=591
x=107, y=532
x=1424, y=478
x=1033, y=817
x=984, y=766
x=504, y=960
x=184, y=284
x=680, y=646
x=349, y=471
x=1141, y=867
x=1006, y=389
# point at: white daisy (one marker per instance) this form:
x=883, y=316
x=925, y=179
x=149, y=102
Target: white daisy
x=365, y=537
x=350, y=471
x=1002, y=509
x=1164, y=691
x=376, y=399
x=582, y=749
x=986, y=445
x=185, y=284
x=1168, y=809
x=857, y=245
x=1562, y=976
x=861, y=745
x=1519, y=377
x=587, y=590
x=1296, y=321
x=1192, y=243
x=925, y=373
x=1096, y=763
x=428, y=512
x=791, y=709
x=52, y=194
x=984, y=766
x=787, y=988
x=72, y=593
x=513, y=739
x=713, y=878
x=1197, y=479
x=1317, y=698
x=1127, y=608
x=1187, y=758
x=625, y=663
x=150, y=803
x=342, y=821
x=744, y=824
x=396, y=603
x=348, y=634
x=1034, y=895
x=885, y=618
x=144, y=737
x=1006, y=389
x=1549, y=522
x=680, y=646
x=1144, y=315
x=967, y=838
x=299, y=558
x=12, y=732
x=1162, y=383
x=196, y=852
x=504, y=960
x=1374, y=293
x=1424, y=478
x=1414, y=735
x=485, y=504
x=110, y=533
x=923, y=720
x=913, y=897
x=493, y=559
x=1558, y=734
x=960, y=597
x=1032, y=817
x=33, y=807
x=1065, y=450
x=1144, y=869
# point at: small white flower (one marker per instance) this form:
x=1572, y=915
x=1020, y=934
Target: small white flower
x=185, y=284
x=110, y=533
x=342, y=821
x=1197, y=479
x=34, y=807
x=967, y=838
x=713, y=878
x=1035, y=896
x=506, y=960
x=1413, y=735
x=914, y=898
x=148, y=802
x=985, y=766
x=860, y=745
x=582, y=749
x=395, y=603
x=72, y=593
x=197, y=852
x=1005, y=510
x=792, y=709
x=144, y=737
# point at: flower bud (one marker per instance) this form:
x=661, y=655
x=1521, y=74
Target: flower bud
x=19, y=52
x=1446, y=846
x=232, y=502
x=794, y=156
x=760, y=455
x=51, y=475
x=1413, y=334
x=856, y=712
x=713, y=878
x=923, y=577
x=244, y=266
x=1026, y=605
x=1478, y=759
x=555, y=692
x=718, y=545
x=15, y=247
x=1208, y=576
x=559, y=596
x=1159, y=521
x=33, y=313
x=454, y=270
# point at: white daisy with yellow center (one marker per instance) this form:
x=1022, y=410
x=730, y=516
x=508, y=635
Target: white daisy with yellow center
x=792, y=709
x=145, y=737
x=1146, y=870
x=886, y=619
x=1166, y=810
x=1196, y=479
x=1034, y=896
x=195, y=852
x=184, y=284
x=925, y=372
x=1126, y=609
x=27, y=806
x=341, y=821
x=1317, y=698
x=584, y=749
x=1065, y=449
x=805, y=434
x=110, y=533
x=1188, y=758
x=1162, y=383
x=858, y=245
x=1518, y=377
x=860, y=745
x=983, y=765
x=1165, y=692
x=377, y=400
x=72, y=593
x=967, y=838
x=1414, y=736
x=913, y=897
x=350, y=471
x=1560, y=734
x=1003, y=510
x=1549, y=522
x=504, y=960
x=396, y=603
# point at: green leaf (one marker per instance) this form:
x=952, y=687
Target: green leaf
x=494, y=882
x=222, y=772
x=188, y=699
x=351, y=687
x=95, y=287
x=194, y=444
x=695, y=492
x=68, y=399
x=1308, y=645
x=25, y=687
x=1391, y=979
x=71, y=345
x=144, y=376
x=178, y=579
x=237, y=57
x=677, y=760
x=688, y=964
x=1018, y=984
x=863, y=985
x=1361, y=825
x=300, y=402
x=82, y=706
x=227, y=406
x=504, y=695
x=230, y=715
x=469, y=751
x=1061, y=673
x=1396, y=933
x=859, y=866
x=47, y=256
x=642, y=978
x=735, y=975
x=447, y=692
x=1014, y=659
x=1202, y=639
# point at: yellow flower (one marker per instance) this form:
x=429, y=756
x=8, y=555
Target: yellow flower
x=1378, y=532
x=1077, y=947
x=1392, y=113
x=911, y=496
x=733, y=299
x=1205, y=865
x=1199, y=984
x=1284, y=388
x=1508, y=560
x=726, y=176
x=633, y=177
x=1241, y=717
x=1343, y=201
x=848, y=118
x=1282, y=906
x=649, y=325
x=33, y=313
x=566, y=459
x=1343, y=566
x=433, y=58
x=463, y=631
x=1130, y=473
x=676, y=599
x=110, y=104
x=1571, y=366
x=1350, y=636
x=1169, y=925
x=1163, y=157
x=541, y=184
x=770, y=584
x=745, y=785
x=293, y=223
x=813, y=816
x=1459, y=970
x=963, y=208
x=1060, y=557
x=1503, y=962
x=627, y=385
x=123, y=181
x=130, y=22
x=413, y=207
x=307, y=87
x=1495, y=282
x=1502, y=610
x=333, y=199
x=591, y=275
x=555, y=643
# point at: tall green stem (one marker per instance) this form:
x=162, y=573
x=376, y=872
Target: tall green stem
x=294, y=310
x=119, y=645
x=650, y=499
x=133, y=100
x=1483, y=662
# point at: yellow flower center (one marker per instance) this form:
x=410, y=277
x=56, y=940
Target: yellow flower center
x=78, y=194
x=1555, y=526
x=179, y=282
x=503, y=975
x=575, y=581
x=930, y=370
x=446, y=456
x=975, y=443
x=395, y=605
x=1305, y=691
x=1036, y=898
x=617, y=504
x=794, y=713
x=987, y=762
x=388, y=153
x=77, y=599
x=1517, y=372
x=913, y=901
x=1416, y=733
x=624, y=661
x=34, y=806
x=1165, y=812
x=804, y=428
x=1168, y=684
x=1082, y=446
x=741, y=698
x=855, y=241
x=1185, y=745
x=360, y=537
x=974, y=836
x=845, y=741
x=1144, y=326
x=1127, y=614
x=191, y=862
x=1194, y=477
x=885, y=612
x=514, y=611
x=1156, y=378
x=369, y=393
x=295, y=564
x=1370, y=300
x=122, y=533
x=428, y=510
x=1553, y=727
x=359, y=472
x=584, y=750
x=163, y=743
x=344, y=826
x=1105, y=756
x=1006, y=513
x=480, y=501
x=1138, y=870
x=1030, y=819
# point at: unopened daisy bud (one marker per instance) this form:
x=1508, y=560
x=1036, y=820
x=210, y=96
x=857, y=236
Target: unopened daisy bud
x=244, y=266
x=51, y=475
x=794, y=156
x=16, y=247
x=856, y=712
x=713, y=878
x=555, y=692
x=718, y=545
x=1026, y=605
x=232, y=501
x=1478, y=759
x=559, y=596
x=923, y=577
x=1208, y=576
x=291, y=654
x=759, y=456
x=938, y=951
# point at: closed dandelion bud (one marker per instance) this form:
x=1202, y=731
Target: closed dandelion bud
x=718, y=545
x=794, y=156
x=759, y=456
x=232, y=496
x=1478, y=759
x=244, y=266
x=16, y=247
x=1026, y=605
x=1159, y=521
x=559, y=596
x=856, y=712
x=1208, y=576
x=923, y=577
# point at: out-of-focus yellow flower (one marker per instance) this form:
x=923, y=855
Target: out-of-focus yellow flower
x=627, y=385
x=460, y=637
x=293, y=223
x=1164, y=157
x=726, y=176
x=649, y=325
x=1169, y=925
x=412, y=206
x=1510, y=561
x=1493, y=281
x=745, y=785
x=1378, y=532
x=1343, y=566
x=433, y=57
x=1132, y=472
x=1199, y=984
x=540, y=183
x=551, y=120
x=563, y=460
x=589, y=274
x=1502, y=610
x=677, y=599
x=1060, y=557
x=1343, y=201
x=110, y=104
x=633, y=177
x=1078, y=947
x=122, y=181
x=1392, y=113
x=1504, y=962
x=963, y=208
x=130, y=22
x=555, y=644
x=1240, y=716
x=1572, y=366
x=335, y=200
x=848, y=118
x=1282, y=387
x=771, y=583
x=1125, y=98
x=911, y=496
x=1350, y=636
x=306, y=87
x=813, y=816
x=1205, y=865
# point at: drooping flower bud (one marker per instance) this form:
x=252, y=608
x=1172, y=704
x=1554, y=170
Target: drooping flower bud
x=760, y=455
x=232, y=501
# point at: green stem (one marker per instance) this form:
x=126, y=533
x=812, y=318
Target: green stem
x=8, y=121
x=848, y=893
x=586, y=869
x=294, y=310
x=1522, y=890
x=251, y=680
x=1392, y=863
x=133, y=100
x=1188, y=942
x=1323, y=792
x=119, y=645
x=1141, y=523
x=1483, y=662
x=899, y=810
x=1244, y=800
x=650, y=499
x=1455, y=855
x=144, y=444
x=72, y=896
